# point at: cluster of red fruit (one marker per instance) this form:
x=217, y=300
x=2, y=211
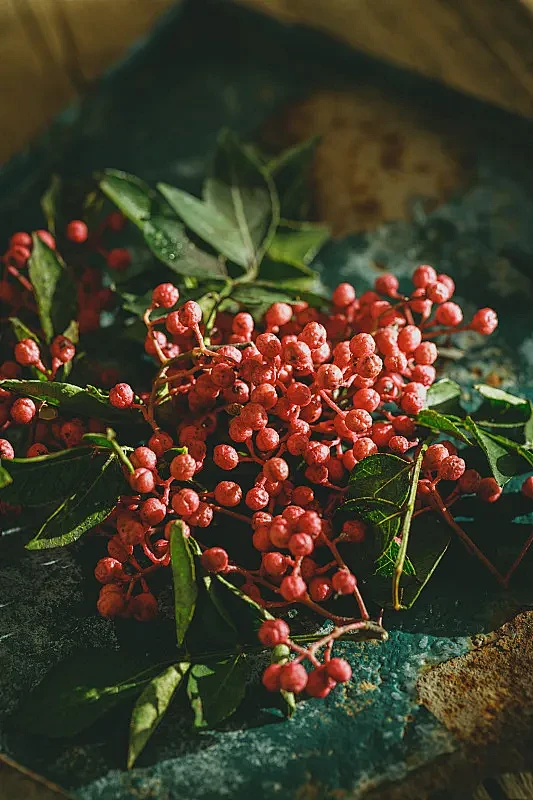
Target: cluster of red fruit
x=296, y=403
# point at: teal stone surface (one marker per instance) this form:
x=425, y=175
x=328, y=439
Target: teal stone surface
x=158, y=115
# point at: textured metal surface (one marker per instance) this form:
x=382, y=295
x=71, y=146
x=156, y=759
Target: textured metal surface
x=159, y=117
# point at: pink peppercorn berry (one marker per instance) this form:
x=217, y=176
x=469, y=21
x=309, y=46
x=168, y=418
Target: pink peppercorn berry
x=121, y=395
x=488, y=490
x=23, y=411
x=273, y=632
x=6, y=449
x=215, y=559
x=527, y=488
x=142, y=480
x=77, y=231
x=165, y=295
x=27, y=352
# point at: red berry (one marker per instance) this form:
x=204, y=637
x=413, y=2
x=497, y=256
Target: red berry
x=293, y=677
x=273, y=632
x=449, y=314
x=47, y=238
x=274, y=564
x=319, y=683
x=77, y=231
x=257, y=498
x=160, y=442
x=185, y=502
x=202, y=517
x=433, y=457
x=292, y=588
x=424, y=275
x=367, y=399
x=37, y=449
x=111, y=603
x=387, y=284
x=21, y=239
x=165, y=295
x=469, y=481
x=62, y=349
x=267, y=439
x=438, y=292
x=278, y=314
x=358, y=420
x=485, y=321
x=320, y=589
x=118, y=549
x=72, y=432
x=23, y=410
x=451, y=468
x=153, y=511
x=354, y=530
x=190, y=314
x=488, y=490
x=142, y=480
x=364, y=447
x=228, y=493
x=271, y=678
x=6, y=449
x=225, y=456
x=131, y=531
x=409, y=338
x=527, y=488
x=215, y=559
x=276, y=469
x=108, y=570
x=254, y=416
x=412, y=403
x=183, y=467
x=344, y=582
x=399, y=444
x=121, y=395
x=144, y=457
x=143, y=607
x=301, y=544
x=343, y=295
x=118, y=259
x=27, y=352
x=362, y=344
x=339, y=670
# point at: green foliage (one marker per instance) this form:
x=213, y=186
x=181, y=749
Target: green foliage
x=53, y=288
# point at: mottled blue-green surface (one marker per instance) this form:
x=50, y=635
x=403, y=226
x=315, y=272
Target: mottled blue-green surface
x=158, y=116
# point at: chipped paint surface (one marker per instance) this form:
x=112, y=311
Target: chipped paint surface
x=376, y=729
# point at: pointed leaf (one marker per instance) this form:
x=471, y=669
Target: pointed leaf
x=80, y=689
x=427, y=547
x=21, y=330
x=48, y=479
x=216, y=688
x=444, y=396
x=291, y=171
x=241, y=612
x=71, y=399
x=429, y=418
x=151, y=706
x=387, y=560
x=298, y=245
x=53, y=288
x=242, y=191
x=184, y=579
x=5, y=477
x=168, y=241
x=130, y=194
x=506, y=458
x=49, y=201
x=208, y=223
x=89, y=505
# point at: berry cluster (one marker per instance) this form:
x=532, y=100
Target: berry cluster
x=269, y=420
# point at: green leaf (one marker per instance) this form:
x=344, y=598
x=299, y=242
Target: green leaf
x=184, y=579
x=98, y=440
x=290, y=171
x=379, y=486
x=240, y=611
x=21, y=330
x=299, y=245
x=498, y=397
x=168, y=241
x=130, y=194
x=92, y=501
x=506, y=458
x=387, y=560
x=528, y=428
x=406, y=527
x=242, y=191
x=48, y=479
x=443, y=396
x=72, y=400
x=151, y=706
x=208, y=223
x=216, y=689
x=53, y=288
x=427, y=546
x=5, y=477
x=81, y=689
x=49, y=201
x=429, y=418
x=72, y=331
